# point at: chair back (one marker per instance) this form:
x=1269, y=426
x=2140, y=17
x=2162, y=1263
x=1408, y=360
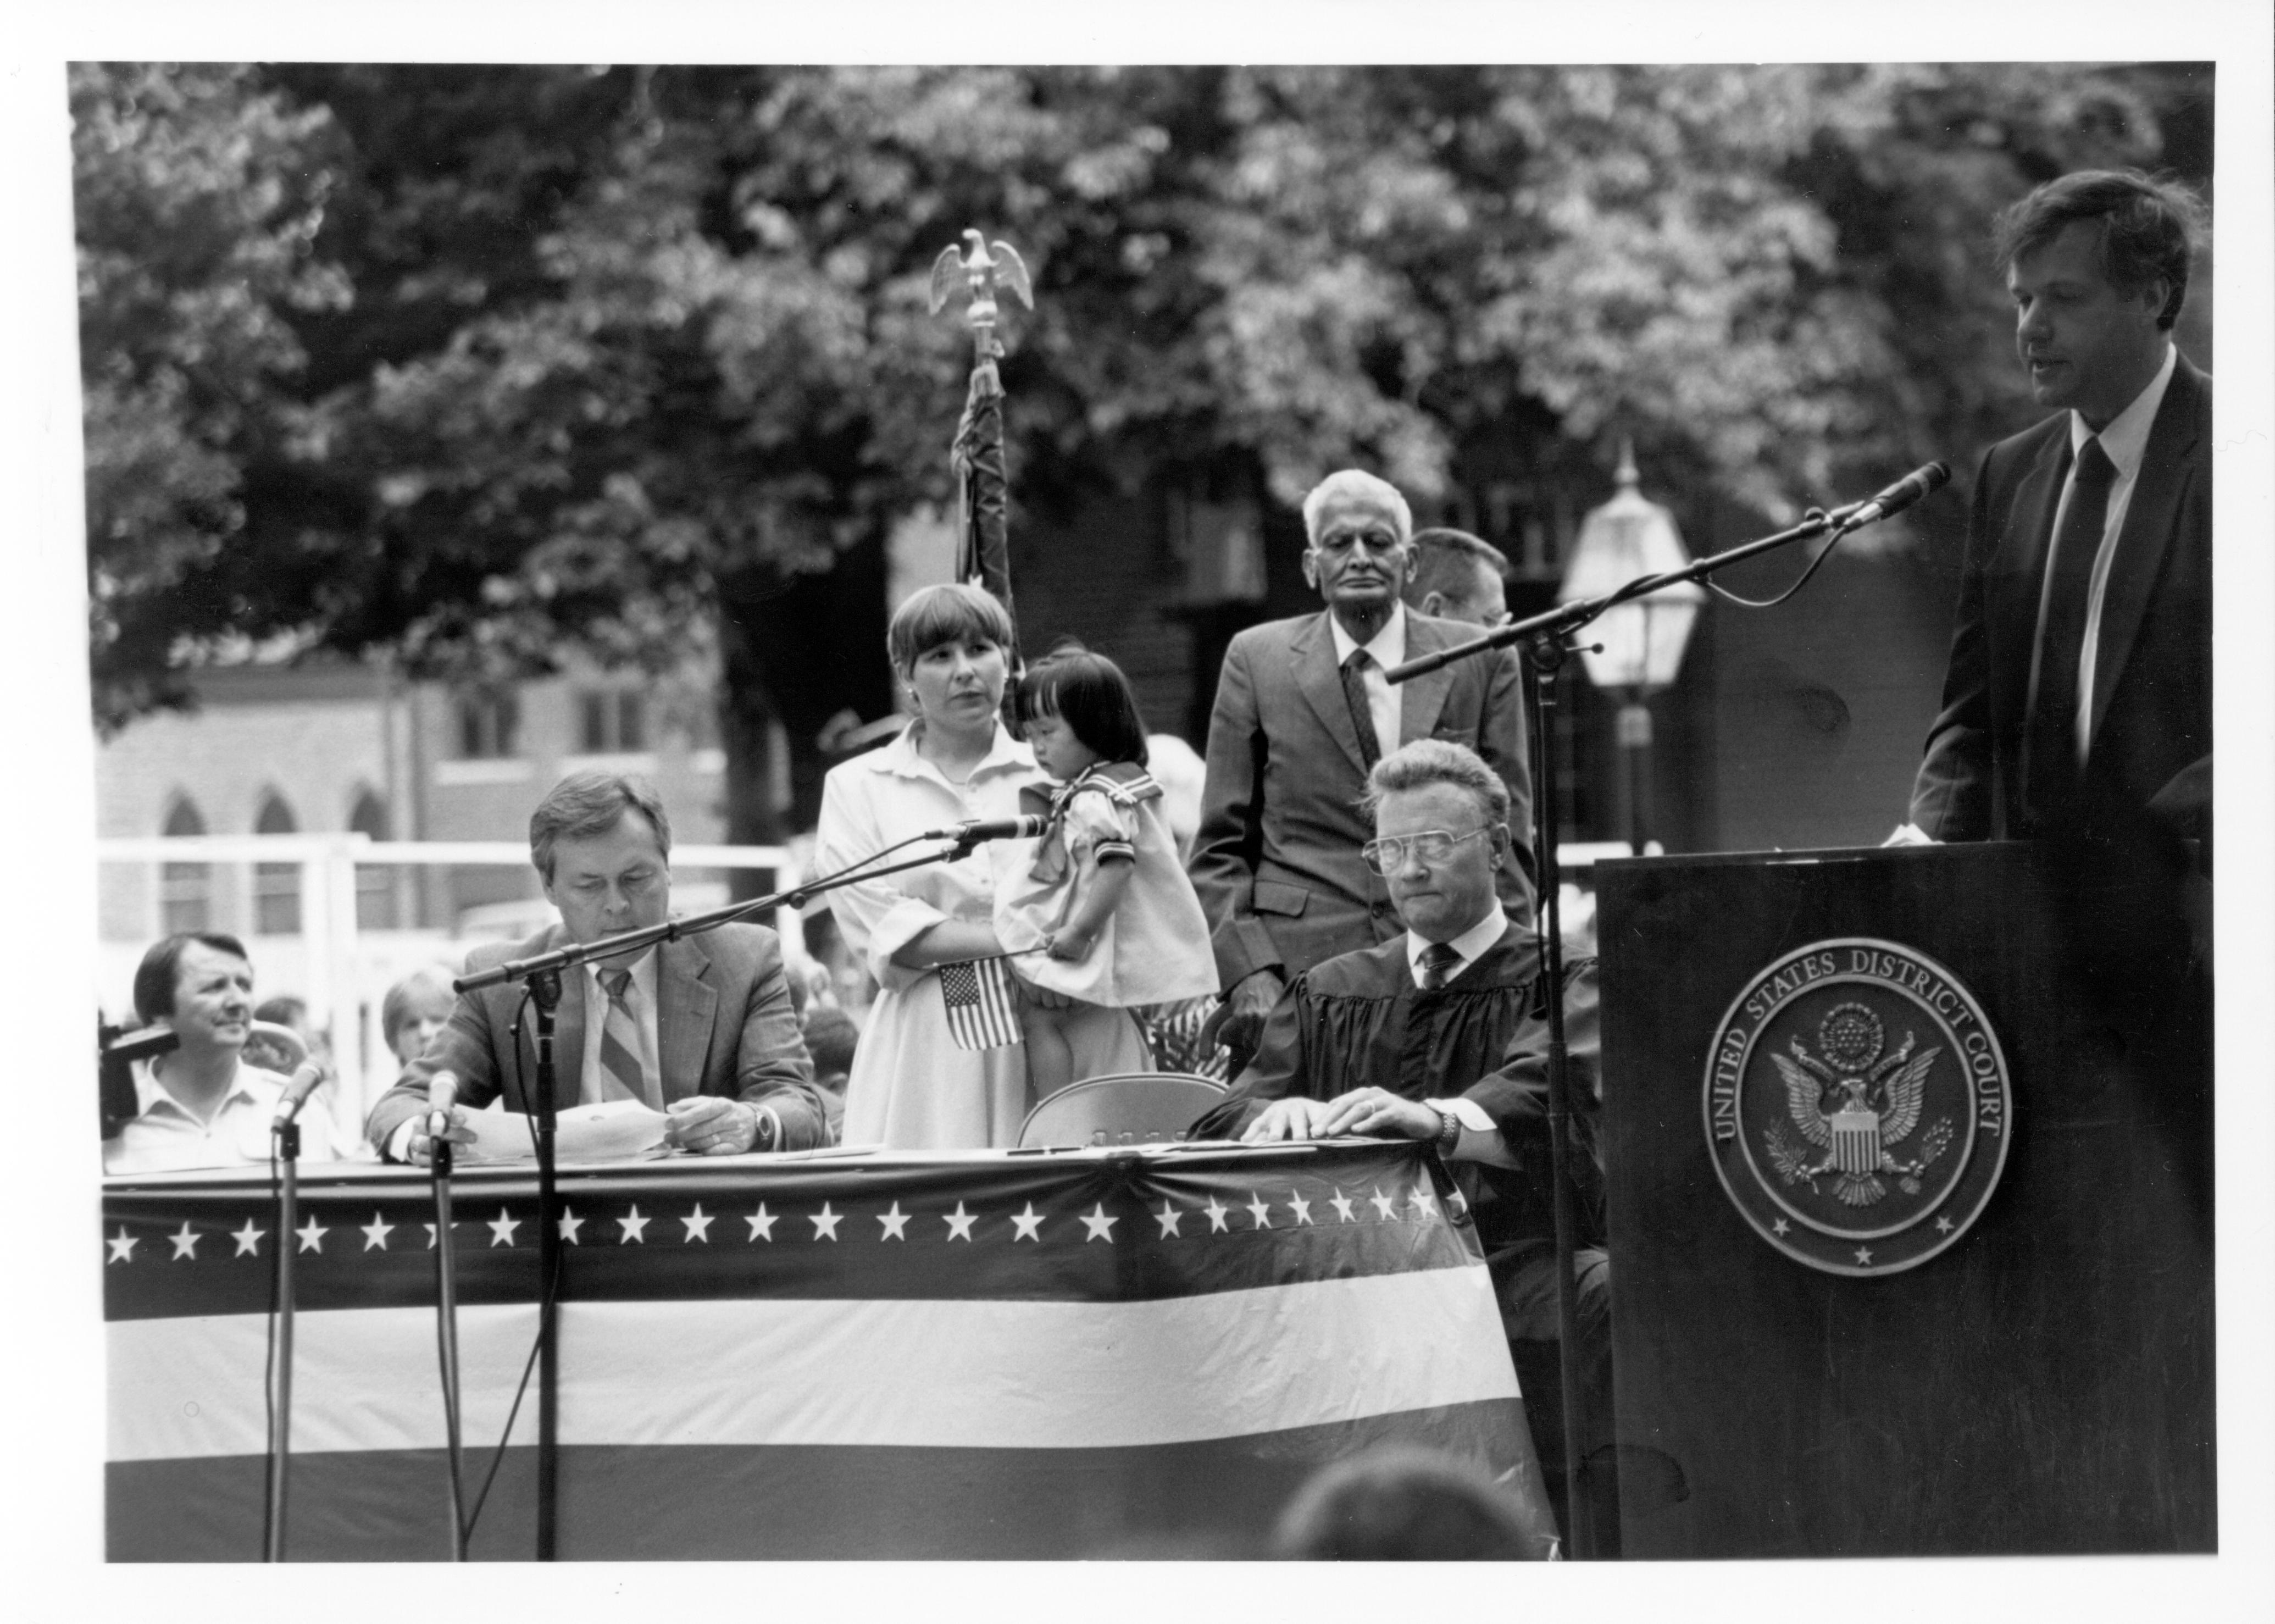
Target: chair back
x=1132, y=1108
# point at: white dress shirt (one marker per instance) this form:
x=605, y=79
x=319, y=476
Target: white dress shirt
x=1387, y=648
x=592, y=1082
x=166, y=1135
x=1480, y=1140
x=2125, y=441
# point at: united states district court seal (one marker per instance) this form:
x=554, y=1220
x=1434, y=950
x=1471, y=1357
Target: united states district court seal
x=1858, y=1106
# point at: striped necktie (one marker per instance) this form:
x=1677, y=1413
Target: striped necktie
x=623, y=1075
x=1440, y=960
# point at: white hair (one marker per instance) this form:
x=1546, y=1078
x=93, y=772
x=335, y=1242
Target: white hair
x=1358, y=483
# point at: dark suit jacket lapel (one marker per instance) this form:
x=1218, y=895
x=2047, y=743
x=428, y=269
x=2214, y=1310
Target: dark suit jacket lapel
x=1312, y=652
x=1421, y=700
x=2019, y=585
x=685, y=1000
x=2167, y=465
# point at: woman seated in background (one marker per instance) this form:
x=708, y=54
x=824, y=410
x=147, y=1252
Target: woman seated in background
x=911, y=1088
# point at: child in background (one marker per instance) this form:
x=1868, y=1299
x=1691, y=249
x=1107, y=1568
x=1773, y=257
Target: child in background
x=1104, y=894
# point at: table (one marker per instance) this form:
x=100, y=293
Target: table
x=1135, y=1351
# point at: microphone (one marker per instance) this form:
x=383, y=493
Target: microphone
x=996, y=828
x=441, y=1093
x=1919, y=482
x=296, y=1092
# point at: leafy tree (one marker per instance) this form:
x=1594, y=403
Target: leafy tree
x=639, y=359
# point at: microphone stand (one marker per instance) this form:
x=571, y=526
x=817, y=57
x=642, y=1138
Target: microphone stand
x=541, y=973
x=446, y=1298
x=280, y=1447
x=1546, y=648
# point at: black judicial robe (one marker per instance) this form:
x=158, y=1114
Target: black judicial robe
x=1359, y=1020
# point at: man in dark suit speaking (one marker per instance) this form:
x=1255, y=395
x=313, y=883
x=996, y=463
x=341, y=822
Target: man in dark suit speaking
x=700, y=1028
x=1302, y=713
x=2078, y=701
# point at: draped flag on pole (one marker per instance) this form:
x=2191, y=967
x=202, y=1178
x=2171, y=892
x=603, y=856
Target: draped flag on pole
x=982, y=1013
x=983, y=548
x=885, y=1356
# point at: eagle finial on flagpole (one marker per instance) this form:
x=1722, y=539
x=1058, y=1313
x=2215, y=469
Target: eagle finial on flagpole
x=983, y=267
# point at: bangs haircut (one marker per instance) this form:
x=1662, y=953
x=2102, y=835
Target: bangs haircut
x=954, y=613
x=161, y=968
x=2147, y=227
x=1088, y=693
x=1428, y=761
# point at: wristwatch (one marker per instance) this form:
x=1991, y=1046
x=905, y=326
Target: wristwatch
x=1449, y=1132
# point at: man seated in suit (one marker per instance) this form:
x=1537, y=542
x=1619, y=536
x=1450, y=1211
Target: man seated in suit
x=1457, y=576
x=1441, y=1034
x=1303, y=713
x=701, y=1028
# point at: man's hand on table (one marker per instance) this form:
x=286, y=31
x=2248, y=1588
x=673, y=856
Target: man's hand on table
x=709, y=1126
x=1381, y=1114
x=1292, y=1118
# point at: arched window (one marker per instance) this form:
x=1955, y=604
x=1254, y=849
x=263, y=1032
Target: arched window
x=185, y=889
x=376, y=885
x=276, y=885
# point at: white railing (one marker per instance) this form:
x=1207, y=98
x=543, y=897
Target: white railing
x=340, y=976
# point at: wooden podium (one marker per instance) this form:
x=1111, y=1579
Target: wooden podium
x=2041, y=1382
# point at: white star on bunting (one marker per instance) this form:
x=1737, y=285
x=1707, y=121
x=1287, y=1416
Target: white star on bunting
x=1100, y=1226
x=762, y=1224
x=312, y=1234
x=376, y=1234
x=1029, y=1225
x=247, y=1239
x=1384, y=1204
x=1169, y=1218
x=1301, y=1207
x=1216, y=1212
x=1342, y=1205
x=1261, y=1208
x=569, y=1225
x=430, y=1236
x=122, y=1247
x=502, y=1229
x=825, y=1222
x=698, y=1225
x=894, y=1222
x=185, y=1242
x=959, y=1223
x=1424, y=1202
x=634, y=1228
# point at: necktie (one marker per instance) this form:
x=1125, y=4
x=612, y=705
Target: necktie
x=623, y=1075
x=1440, y=960
x=2050, y=767
x=1362, y=712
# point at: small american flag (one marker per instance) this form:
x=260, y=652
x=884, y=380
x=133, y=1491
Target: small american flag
x=981, y=1014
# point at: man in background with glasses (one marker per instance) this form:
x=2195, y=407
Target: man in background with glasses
x=1441, y=1034
x=1304, y=712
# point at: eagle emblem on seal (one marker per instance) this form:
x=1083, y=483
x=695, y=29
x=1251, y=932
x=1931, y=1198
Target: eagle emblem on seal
x=1874, y=1106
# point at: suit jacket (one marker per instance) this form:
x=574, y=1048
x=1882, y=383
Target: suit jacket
x=1276, y=860
x=2152, y=674
x=724, y=1026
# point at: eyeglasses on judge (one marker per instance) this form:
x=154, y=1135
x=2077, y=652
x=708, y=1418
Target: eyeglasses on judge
x=1388, y=854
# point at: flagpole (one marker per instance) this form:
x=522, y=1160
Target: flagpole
x=983, y=483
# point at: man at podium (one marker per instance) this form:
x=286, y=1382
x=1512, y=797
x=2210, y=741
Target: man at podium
x=2078, y=701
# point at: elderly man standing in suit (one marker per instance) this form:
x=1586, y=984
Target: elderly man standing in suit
x=1302, y=713
x=701, y=1028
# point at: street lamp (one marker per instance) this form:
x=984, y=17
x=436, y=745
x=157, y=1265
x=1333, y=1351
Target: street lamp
x=1642, y=640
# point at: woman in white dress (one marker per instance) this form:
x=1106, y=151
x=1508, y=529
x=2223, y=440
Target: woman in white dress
x=910, y=1087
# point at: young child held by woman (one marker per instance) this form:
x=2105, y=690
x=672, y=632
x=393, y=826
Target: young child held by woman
x=1104, y=894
